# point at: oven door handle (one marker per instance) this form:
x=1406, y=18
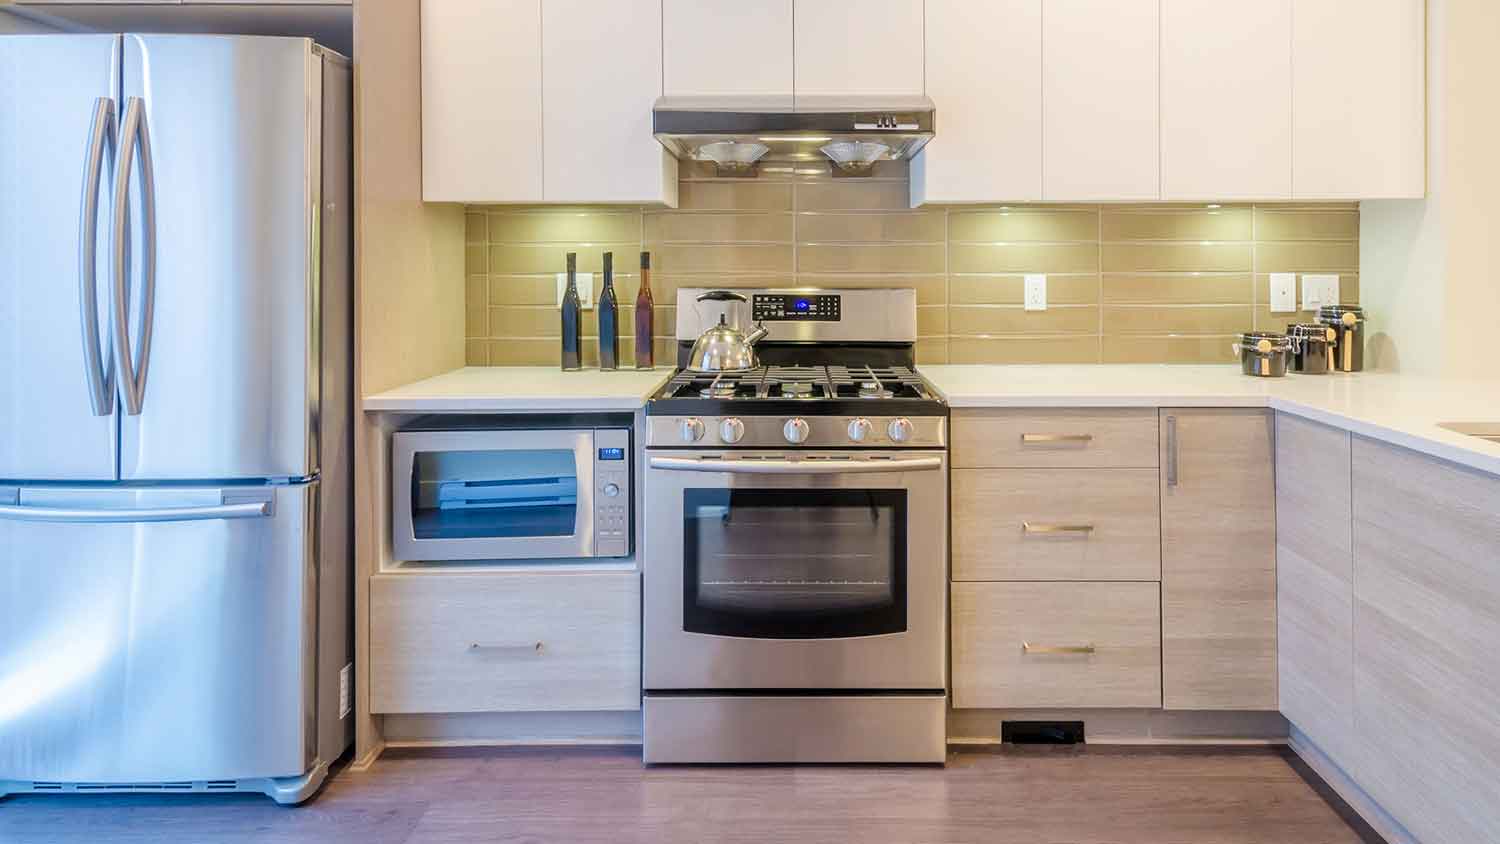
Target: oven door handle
x=796, y=467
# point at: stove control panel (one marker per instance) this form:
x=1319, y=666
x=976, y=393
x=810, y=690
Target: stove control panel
x=776, y=431
x=796, y=307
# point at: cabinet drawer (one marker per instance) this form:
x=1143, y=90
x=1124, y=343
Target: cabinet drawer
x=1043, y=524
x=505, y=642
x=993, y=623
x=1049, y=438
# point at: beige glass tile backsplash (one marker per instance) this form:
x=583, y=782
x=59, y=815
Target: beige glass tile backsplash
x=1154, y=283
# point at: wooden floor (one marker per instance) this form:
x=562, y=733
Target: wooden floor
x=1029, y=795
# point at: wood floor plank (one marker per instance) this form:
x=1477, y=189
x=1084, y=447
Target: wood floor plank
x=1035, y=795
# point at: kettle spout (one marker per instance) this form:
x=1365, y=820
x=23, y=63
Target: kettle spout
x=758, y=334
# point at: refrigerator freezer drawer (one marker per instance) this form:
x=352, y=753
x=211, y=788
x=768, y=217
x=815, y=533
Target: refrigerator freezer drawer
x=180, y=645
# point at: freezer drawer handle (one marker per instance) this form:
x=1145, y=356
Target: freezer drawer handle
x=135, y=144
x=97, y=365
x=68, y=515
x=795, y=467
x=1027, y=647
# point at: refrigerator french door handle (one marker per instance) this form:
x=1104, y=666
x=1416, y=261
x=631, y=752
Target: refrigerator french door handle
x=245, y=505
x=98, y=365
x=135, y=145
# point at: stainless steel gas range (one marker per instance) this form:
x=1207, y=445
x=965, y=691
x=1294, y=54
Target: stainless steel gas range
x=796, y=540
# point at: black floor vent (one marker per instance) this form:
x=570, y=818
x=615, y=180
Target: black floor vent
x=1041, y=732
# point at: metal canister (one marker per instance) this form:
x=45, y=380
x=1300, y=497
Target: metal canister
x=1313, y=347
x=1263, y=353
x=1348, y=323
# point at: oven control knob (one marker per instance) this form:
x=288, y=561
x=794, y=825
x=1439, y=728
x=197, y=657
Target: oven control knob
x=692, y=430
x=795, y=431
x=859, y=429
x=731, y=430
x=899, y=430
x=611, y=490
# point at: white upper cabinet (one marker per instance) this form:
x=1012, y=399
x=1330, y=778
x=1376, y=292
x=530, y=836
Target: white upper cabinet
x=601, y=74
x=1226, y=99
x=1099, y=100
x=1358, y=99
x=482, y=106
x=869, y=47
x=728, y=47
x=985, y=79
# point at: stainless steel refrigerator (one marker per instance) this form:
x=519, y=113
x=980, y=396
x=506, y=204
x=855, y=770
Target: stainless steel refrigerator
x=175, y=444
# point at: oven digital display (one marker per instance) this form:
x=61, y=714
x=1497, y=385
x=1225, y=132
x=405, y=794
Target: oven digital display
x=793, y=307
x=611, y=454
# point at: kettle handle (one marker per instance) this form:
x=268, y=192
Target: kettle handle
x=721, y=296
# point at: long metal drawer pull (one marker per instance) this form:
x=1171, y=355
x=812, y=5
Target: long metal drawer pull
x=69, y=515
x=1033, y=439
x=98, y=366
x=796, y=467
x=1045, y=527
x=135, y=145
x=1027, y=647
x=1171, y=451
x=530, y=647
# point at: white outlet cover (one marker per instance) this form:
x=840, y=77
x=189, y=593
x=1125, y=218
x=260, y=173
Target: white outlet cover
x=1318, y=290
x=585, y=289
x=1036, y=292
x=1283, y=293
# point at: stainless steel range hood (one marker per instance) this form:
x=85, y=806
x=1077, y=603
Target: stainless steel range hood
x=736, y=133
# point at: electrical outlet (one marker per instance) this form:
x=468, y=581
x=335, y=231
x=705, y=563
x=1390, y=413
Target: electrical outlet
x=1319, y=290
x=1036, y=292
x=1283, y=293
x=585, y=289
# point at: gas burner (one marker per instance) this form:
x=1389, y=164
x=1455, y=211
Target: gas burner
x=718, y=390
x=797, y=390
x=873, y=390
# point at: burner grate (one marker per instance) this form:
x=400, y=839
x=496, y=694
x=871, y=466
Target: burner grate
x=801, y=383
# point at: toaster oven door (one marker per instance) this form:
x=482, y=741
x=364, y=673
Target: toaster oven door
x=494, y=495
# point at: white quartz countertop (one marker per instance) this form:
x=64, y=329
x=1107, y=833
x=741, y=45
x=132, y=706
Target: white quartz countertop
x=1404, y=410
x=530, y=389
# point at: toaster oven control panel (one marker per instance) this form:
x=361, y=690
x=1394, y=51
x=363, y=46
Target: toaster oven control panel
x=612, y=492
x=795, y=307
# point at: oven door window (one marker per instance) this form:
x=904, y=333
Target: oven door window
x=494, y=494
x=794, y=563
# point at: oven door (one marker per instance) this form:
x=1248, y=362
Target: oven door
x=492, y=495
x=802, y=570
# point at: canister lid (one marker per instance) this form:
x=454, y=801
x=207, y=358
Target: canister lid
x=1264, y=342
x=1311, y=331
x=1341, y=314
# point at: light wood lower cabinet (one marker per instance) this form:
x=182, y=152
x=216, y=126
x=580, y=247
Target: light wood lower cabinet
x=1315, y=581
x=500, y=642
x=1426, y=633
x=1218, y=579
x=1046, y=524
x=1022, y=645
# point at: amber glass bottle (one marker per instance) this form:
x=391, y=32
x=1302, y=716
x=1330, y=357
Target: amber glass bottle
x=645, y=325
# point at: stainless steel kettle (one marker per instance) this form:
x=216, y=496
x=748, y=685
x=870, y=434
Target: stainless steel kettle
x=724, y=348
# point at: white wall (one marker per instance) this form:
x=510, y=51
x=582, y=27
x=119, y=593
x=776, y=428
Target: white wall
x=1429, y=277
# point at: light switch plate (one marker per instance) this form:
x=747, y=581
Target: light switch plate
x=1318, y=290
x=1283, y=293
x=585, y=289
x=1036, y=292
